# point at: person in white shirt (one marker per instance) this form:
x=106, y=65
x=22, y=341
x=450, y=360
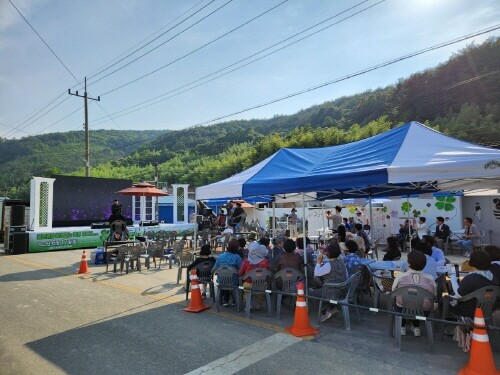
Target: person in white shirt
x=420, y=227
x=292, y=223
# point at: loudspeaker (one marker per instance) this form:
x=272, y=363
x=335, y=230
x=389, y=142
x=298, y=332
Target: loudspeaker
x=207, y=211
x=99, y=225
x=199, y=219
x=17, y=215
x=20, y=243
x=287, y=233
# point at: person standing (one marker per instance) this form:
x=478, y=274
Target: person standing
x=337, y=218
x=442, y=232
x=292, y=223
x=116, y=207
x=470, y=237
x=238, y=216
x=221, y=219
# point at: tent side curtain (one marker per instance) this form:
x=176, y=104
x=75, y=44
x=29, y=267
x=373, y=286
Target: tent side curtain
x=410, y=159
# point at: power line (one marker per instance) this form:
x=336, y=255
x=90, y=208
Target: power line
x=36, y=112
x=244, y=59
x=352, y=75
x=44, y=42
x=161, y=44
x=148, y=43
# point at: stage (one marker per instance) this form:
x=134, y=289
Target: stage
x=69, y=238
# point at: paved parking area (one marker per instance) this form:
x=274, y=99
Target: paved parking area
x=57, y=322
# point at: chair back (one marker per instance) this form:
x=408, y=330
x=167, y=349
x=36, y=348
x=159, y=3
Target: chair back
x=413, y=299
x=382, y=283
x=226, y=276
x=345, y=291
x=286, y=279
x=261, y=278
x=486, y=298
x=134, y=252
x=121, y=252
x=185, y=259
x=177, y=248
x=204, y=271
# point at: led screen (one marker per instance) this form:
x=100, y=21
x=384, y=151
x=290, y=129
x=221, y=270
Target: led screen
x=86, y=200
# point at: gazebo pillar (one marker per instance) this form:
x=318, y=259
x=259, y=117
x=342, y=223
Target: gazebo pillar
x=41, y=203
x=180, y=203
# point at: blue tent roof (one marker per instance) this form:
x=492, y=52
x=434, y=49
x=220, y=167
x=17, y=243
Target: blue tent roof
x=405, y=160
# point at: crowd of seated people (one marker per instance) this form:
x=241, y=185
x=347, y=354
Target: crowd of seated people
x=332, y=265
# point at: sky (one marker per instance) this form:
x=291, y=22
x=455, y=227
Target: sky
x=100, y=39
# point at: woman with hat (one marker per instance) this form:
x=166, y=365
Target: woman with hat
x=257, y=254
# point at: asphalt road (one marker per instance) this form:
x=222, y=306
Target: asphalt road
x=56, y=322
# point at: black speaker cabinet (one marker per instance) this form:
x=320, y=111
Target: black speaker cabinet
x=207, y=211
x=17, y=215
x=20, y=243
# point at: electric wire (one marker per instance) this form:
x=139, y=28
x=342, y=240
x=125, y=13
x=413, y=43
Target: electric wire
x=352, y=75
x=156, y=47
x=36, y=112
x=195, y=50
x=239, y=61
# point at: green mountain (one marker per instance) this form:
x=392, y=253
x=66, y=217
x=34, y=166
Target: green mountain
x=61, y=153
x=458, y=97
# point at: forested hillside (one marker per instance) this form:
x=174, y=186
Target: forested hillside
x=61, y=153
x=459, y=97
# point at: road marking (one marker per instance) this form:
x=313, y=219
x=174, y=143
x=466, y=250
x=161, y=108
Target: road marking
x=247, y=356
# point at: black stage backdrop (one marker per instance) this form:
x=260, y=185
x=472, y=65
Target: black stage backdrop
x=81, y=201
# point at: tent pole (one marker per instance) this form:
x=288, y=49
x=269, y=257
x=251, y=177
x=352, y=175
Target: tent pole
x=323, y=219
x=304, y=237
x=273, y=219
x=371, y=215
x=195, y=245
x=409, y=222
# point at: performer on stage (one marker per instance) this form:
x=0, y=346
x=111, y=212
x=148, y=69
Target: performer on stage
x=116, y=207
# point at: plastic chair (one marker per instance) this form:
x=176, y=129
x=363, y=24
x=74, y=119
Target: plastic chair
x=381, y=285
x=115, y=256
x=261, y=284
x=285, y=282
x=204, y=272
x=133, y=256
x=183, y=260
x=226, y=278
x=348, y=292
x=413, y=298
x=485, y=299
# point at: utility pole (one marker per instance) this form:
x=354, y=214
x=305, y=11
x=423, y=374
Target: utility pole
x=157, y=216
x=86, y=126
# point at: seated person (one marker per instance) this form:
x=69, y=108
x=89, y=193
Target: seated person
x=332, y=270
x=242, y=250
x=351, y=259
x=118, y=231
x=475, y=280
x=257, y=254
x=414, y=277
x=436, y=254
x=361, y=233
x=203, y=257
x=276, y=252
x=289, y=259
x=405, y=234
x=442, y=232
x=494, y=253
x=392, y=252
x=430, y=265
x=232, y=259
x=309, y=260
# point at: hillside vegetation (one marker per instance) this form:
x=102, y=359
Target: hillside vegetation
x=459, y=97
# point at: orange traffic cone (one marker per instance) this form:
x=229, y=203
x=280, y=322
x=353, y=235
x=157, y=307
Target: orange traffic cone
x=84, y=268
x=301, y=326
x=481, y=358
x=196, y=303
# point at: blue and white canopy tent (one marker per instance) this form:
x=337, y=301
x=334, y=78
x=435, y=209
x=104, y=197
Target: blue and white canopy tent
x=407, y=160
x=410, y=159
